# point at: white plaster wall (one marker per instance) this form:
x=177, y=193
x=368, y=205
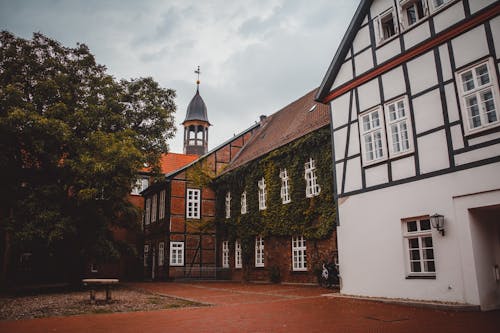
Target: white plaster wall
x=451, y=102
x=449, y=16
x=354, y=140
x=394, y=83
x=476, y=5
x=340, y=175
x=369, y=95
x=495, y=31
x=417, y=35
x=422, y=72
x=445, y=62
x=340, y=110
x=339, y=139
x=353, y=175
x=362, y=39
x=380, y=6
x=428, y=111
x=403, y=168
x=478, y=154
x=363, y=62
x=470, y=46
x=388, y=50
x=433, y=152
x=344, y=75
x=371, y=249
x=376, y=175
x=484, y=138
x=457, y=137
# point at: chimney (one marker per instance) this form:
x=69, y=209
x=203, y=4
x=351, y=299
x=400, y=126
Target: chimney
x=262, y=118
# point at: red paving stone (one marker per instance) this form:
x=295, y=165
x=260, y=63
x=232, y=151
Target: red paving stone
x=266, y=308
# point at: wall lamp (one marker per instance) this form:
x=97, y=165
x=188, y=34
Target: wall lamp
x=437, y=222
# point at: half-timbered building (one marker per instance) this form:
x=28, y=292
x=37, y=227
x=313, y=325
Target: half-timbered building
x=414, y=92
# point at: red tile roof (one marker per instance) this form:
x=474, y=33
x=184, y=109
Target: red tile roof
x=172, y=161
x=288, y=124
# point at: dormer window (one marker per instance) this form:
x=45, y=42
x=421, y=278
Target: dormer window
x=262, y=194
x=387, y=25
x=312, y=187
x=413, y=11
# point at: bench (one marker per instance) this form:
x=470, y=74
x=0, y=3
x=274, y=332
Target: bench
x=94, y=284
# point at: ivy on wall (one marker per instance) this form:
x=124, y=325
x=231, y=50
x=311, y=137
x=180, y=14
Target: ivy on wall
x=314, y=218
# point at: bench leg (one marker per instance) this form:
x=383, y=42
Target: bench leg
x=92, y=296
x=108, y=294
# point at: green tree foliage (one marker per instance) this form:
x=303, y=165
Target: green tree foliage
x=72, y=139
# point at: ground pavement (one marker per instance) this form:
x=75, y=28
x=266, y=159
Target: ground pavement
x=237, y=307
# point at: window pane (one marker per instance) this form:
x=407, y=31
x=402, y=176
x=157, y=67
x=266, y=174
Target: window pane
x=427, y=241
x=412, y=14
x=425, y=225
x=415, y=255
x=411, y=226
x=395, y=138
x=392, y=112
x=366, y=123
x=473, y=111
x=413, y=243
x=415, y=267
x=489, y=106
x=482, y=75
x=428, y=254
x=468, y=81
x=375, y=119
x=429, y=266
x=404, y=136
x=378, y=144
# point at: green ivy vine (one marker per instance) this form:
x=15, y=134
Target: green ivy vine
x=314, y=218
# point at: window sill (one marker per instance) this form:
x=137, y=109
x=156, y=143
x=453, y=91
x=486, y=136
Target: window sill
x=297, y=272
x=387, y=40
x=485, y=130
x=420, y=277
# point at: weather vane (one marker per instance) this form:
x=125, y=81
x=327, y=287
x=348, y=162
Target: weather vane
x=198, y=73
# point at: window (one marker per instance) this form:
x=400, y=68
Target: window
x=140, y=185
x=299, y=258
x=312, y=187
x=147, y=214
x=193, y=204
x=398, y=127
x=154, y=207
x=262, y=194
x=93, y=267
x=259, y=251
x=237, y=254
x=161, y=214
x=372, y=136
x=479, y=96
x=176, y=253
x=419, y=247
x=413, y=11
x=228, y=205
x=285, y=187
x=438, y=4
x=161, y=253
x=387, y=25
x=244, y=202
x=146, y=254
x=225, y=254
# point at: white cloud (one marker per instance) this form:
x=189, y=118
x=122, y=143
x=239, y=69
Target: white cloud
x=256, y=56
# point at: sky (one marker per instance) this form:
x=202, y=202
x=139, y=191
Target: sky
x=256, y=56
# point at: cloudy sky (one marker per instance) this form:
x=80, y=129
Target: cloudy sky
x=256, y=56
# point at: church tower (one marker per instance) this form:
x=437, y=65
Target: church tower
x=196, y=124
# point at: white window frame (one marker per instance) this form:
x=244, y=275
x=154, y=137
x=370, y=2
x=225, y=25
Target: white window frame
x=244, y=207
x=140, y=185
x=147, y=211
x=436, y=7
x=421, y=234
x=237, y=255
x=225, y=254
x=262, y=194
x=398, y=117
x=259, y=251
x=312, y=187
x=176, y=253
x=476, y=92
x=161, y=213
x=193, y=199
x=161, y=254
x=299, y=254
x=285, y=187
x=371, y=132
x=146, y=254
x=154, y=208
x=404, y=5
x=380, y=23
x=228, y=205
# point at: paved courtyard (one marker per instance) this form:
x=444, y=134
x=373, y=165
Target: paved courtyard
x=240, y=307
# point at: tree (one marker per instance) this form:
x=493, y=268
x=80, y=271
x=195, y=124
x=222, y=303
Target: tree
x=72, y=140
